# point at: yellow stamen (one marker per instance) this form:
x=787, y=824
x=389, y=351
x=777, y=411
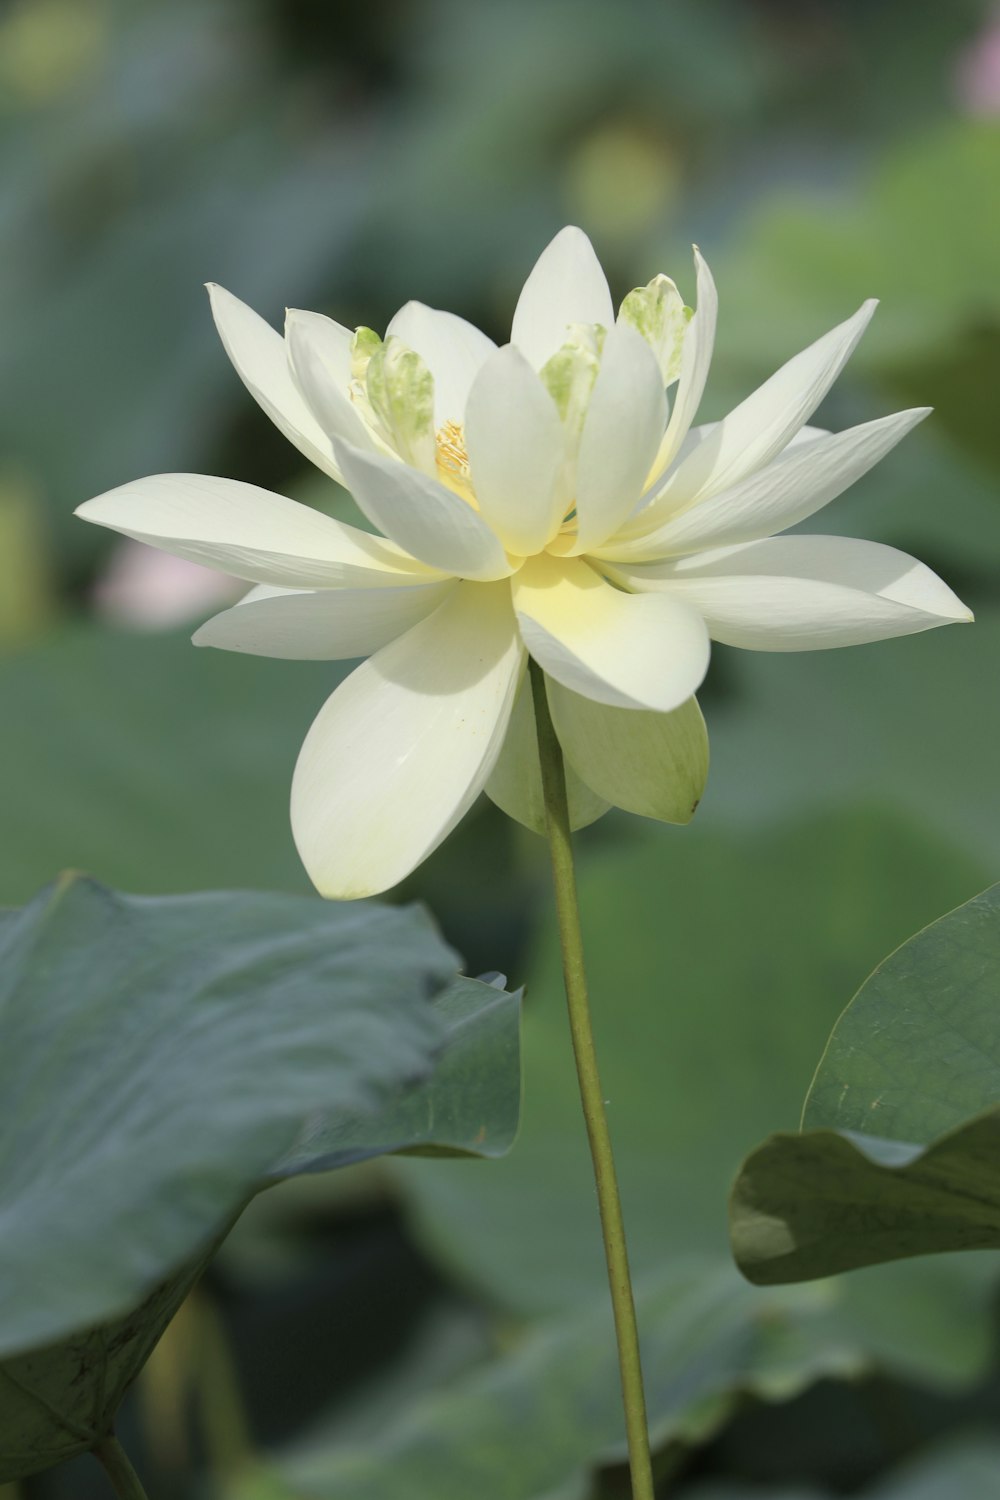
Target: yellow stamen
x=453, y=461
x=451, y=450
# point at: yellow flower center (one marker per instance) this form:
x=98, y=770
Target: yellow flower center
x=453, y=461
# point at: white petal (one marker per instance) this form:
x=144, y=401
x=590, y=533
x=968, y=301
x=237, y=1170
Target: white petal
x=320, y=624
x=804, y=593
x=799, y=482
x=696, y=357
x=516, y=448
x=605, y=644
x=621, y=433
x=646, y=763
x=756, y=430
x=332, y=341
x=452, y=349
x=566, y=285
x=516, y=782
x=655, y=509
x=319, y=355
x=402, y=749
x=424, y=517
x=260, y=357
x=249, y=532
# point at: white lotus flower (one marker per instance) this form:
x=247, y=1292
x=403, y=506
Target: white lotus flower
x=547, y=497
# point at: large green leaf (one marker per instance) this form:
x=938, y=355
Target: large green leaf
x=137, y=1034
x=535, y=1421
x=718, y=964
x=163, y=1059
x=469, y=1106
x=901, y=1142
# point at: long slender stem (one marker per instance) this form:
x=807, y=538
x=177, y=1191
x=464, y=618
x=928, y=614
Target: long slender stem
x=591, y=1094
x=117, y=1465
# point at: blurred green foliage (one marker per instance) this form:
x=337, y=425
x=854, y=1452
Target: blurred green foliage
x=348, y=159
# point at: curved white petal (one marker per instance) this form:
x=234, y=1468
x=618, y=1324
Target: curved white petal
x=650, y=513
x=696, y=358
x=321, y=624
x=655, y=509
x=566, y=285
x=402, y=749
x=516, y=449
x=251, y=533
x=647, y=763
x=452, y=349
x=319, y=355
x=425, y=518
x=756, y=430
x=608, y=645
x=621, y=433
x=803, y=478
x=260, y=358
x=332, y=341
x=515, y=784
x=804, y=593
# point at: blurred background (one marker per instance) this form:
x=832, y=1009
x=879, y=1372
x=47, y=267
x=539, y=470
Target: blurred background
x=348, y=158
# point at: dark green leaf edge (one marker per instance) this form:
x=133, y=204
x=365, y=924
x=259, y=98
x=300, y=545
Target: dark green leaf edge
x=824, y=1201
x=817, y=1204
x=485, y=1041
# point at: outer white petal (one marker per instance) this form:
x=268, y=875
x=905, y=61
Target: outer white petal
x=401, y=750
x=260, y=357
x=756, y=430
x=656, y=509
x=608, y=645
x=321, y=624
x=651, y=764
x=804, y=593
x=319, y=355
x=452, y=349
x=696, y=357
x=425, y=518
x=251, y=533
x=516, y=781
x=566, y=285
x=516, y=449
x=621, y=433
x=799, y=482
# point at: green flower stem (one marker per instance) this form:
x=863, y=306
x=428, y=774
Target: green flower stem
x=110, y=1453
x=591, y=1094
